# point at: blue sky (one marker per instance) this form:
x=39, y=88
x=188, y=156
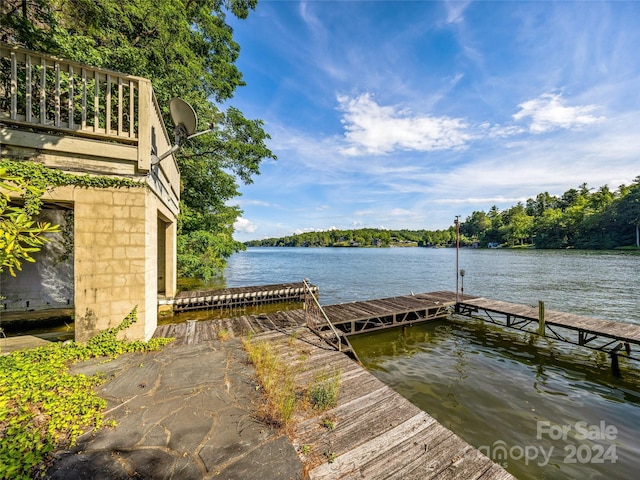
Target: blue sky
x=392, y=114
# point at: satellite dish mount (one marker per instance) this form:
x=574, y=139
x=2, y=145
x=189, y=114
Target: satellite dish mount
x=186, y=122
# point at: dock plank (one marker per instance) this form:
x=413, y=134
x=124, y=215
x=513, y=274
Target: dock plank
x=378, y=433
x=350, y=462
x=608, y=328
x=373, y=423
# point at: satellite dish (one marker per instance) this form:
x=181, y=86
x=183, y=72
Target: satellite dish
x=186, y=121
x=183, y=115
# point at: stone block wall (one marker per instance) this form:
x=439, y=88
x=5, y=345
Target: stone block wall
x=115, y=267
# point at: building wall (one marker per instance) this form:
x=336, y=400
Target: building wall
x=113, y=265
x=115, y=233
x=116, y=260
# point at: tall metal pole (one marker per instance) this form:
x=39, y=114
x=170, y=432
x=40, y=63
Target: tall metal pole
x=457, y=222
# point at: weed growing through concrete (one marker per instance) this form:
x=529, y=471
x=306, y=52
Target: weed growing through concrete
x=223, y=335
x=276, y=379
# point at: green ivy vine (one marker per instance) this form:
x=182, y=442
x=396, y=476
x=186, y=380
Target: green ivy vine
x=42, y=178
x=43, y=407
x=21, y=235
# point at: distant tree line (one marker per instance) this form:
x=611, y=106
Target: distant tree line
x=363, y=237
x=582, y=218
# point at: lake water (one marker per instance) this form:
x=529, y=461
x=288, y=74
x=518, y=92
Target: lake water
x=543, y=409
x=598, y=284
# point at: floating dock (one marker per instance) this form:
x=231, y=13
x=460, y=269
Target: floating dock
x=365, y=316
x=235, y=298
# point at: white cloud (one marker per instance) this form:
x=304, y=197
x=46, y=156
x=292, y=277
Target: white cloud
x=375, y=129
x=549, y=112
x=505, y=131
x=479, y=200
x=400, y=212
x=244, y=225
x=258, y=203
x=455, y=11
x=309, y=17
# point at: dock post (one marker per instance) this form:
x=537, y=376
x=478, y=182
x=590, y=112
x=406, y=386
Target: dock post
x=457, y=222
x=540, y=317
x=615, y=365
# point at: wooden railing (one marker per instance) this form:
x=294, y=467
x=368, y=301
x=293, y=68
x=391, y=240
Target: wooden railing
x=41, y=91
x=317, y=319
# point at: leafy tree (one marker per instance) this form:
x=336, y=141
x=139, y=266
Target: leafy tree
x=520, y=224
x=28, y=22
x=629, y=210
x=476, y=225
x=186, y=48
x=543, y=201
x=549, y=229
x=20, y=235
x=601, y=199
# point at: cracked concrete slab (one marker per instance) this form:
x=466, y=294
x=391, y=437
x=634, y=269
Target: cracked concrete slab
x=185, y=412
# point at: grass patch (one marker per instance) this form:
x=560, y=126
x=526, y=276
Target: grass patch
x=277, y=380
x=305, y=449
x=328, y=423
x=43, y=407
x=277, y=365
x=323, y=393
x=223, y=335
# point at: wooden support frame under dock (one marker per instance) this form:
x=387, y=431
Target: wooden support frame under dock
x=596, y=334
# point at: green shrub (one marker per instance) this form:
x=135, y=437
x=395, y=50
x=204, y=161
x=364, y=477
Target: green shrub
x=43, y=407
x=323, y=393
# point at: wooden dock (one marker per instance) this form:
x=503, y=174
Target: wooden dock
x=192, y=332
x=603, y=335
x=364, y=316
x=378, y=434
x=236, y=298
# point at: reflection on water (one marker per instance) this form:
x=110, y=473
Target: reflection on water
x=511, y=392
